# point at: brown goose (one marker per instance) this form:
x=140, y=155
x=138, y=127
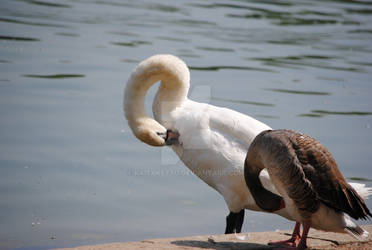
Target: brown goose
x=308, y=183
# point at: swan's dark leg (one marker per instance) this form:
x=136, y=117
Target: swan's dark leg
x=230, y=223
x=234, y=222
x=239, y=221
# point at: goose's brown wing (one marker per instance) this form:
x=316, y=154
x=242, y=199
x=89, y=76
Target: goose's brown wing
x=320, y=169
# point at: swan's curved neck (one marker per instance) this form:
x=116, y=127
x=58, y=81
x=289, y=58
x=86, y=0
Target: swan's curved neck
x=174, y=76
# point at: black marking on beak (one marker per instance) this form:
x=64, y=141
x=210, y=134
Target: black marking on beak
x=162, y=135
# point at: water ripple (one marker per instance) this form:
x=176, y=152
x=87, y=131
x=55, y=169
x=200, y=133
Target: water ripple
x=216, y=49
x=361, y=179
x=163, y=8
x=131, y=44
x=285, y=19
x=220, y=5
x=359, y=11
x=299, y=92
x=217, y=68
x=321, y=113
x=174, y=39
x=327, y=112
x=193, y=23
x=5, y=61
x=18, y=38
x=315, y=61
x=48, y=4
x=368, y=31
x=243, y=102
x=67, y=34
x=9, y=20
x=55, y=76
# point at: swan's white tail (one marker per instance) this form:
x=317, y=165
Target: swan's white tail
x=361, y=189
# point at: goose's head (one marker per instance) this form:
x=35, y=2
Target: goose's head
x=153, y=133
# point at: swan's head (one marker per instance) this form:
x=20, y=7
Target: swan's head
x=174, y=76
x=151, y=132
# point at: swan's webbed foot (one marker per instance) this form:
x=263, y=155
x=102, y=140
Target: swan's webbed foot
x=170, y=137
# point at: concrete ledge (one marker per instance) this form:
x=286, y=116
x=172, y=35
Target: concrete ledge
x=317, y=240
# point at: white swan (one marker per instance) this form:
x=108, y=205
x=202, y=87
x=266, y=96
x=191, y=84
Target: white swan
x=212, y=141
x=311, y=187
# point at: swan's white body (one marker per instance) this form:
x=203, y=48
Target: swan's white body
x=213, y=144
x=213, y=141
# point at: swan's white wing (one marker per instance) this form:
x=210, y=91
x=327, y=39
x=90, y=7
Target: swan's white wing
x=204, y=126
x=235, y=124
x=213, y=144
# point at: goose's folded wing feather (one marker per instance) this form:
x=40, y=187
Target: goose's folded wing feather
x=321, y=170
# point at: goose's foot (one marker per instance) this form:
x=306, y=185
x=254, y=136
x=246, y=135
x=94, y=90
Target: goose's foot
x=302, y=244
x=299, y=247
x=289, y=248
x=293, y=241
x=234, y=222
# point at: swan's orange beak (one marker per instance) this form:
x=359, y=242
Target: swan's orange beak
x=172, y=137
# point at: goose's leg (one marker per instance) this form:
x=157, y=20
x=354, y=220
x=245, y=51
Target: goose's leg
x=234, y=222
x=302, y=245
x=293, y=241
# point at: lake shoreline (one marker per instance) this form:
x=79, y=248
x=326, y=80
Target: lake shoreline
x=251, y=240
